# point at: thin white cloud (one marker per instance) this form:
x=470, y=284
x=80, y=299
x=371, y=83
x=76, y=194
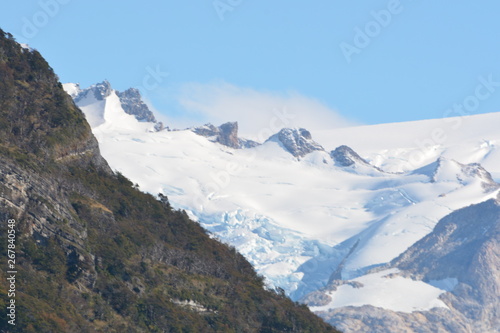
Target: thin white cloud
x=258, y=113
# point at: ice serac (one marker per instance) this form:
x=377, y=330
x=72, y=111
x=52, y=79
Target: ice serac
x=461, y=256
x=226, y=134
x=297, y=141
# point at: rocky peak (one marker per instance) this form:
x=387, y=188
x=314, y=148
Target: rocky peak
x=344, y=156
x=226, y=134
x=298, y=142
x=133, y=104
x=99, y=90
x=130, y=100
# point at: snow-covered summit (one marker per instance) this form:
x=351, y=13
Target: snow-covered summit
x=104, y=105
x=449, y=170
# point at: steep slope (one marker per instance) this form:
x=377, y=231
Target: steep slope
x=93, y=254
x=461, y=256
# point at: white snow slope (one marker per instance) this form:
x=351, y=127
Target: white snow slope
x=300, y=221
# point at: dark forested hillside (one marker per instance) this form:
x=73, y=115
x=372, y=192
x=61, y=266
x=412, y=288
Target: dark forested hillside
x=94, y=254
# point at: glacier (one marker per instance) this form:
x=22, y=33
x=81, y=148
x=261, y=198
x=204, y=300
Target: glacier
x=303, y=221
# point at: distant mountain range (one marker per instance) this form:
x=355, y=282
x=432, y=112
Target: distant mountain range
x=368, y=228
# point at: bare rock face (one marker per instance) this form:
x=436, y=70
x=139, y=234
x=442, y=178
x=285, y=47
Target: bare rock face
x=208, y=131
x=226, y=134
x=99, y=90
x=298, y=142
x=133, y=104
x=369, y=319
x=344, y=156
x=464, y=246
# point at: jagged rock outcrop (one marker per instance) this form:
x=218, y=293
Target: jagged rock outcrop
x=229, y=135
x=100, y=91
x=133, y=104
x=297, y=141
x=463, y=253
x=226, y=134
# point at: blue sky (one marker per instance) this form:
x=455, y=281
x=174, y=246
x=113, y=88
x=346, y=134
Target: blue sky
x=342, y=61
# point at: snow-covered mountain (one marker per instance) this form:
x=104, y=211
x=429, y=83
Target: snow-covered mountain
x=102, y=104
x=312, y=218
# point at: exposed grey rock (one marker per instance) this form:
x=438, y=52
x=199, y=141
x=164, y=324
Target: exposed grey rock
x=477, y=170
x=133, y=104
x=465, y=246
x=298, y=142
x=41, y=203
x=226, y=134
x=344, y=156
x=208, y=131
x=99, y=90
x=369, y=319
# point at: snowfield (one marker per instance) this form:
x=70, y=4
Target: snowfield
x=391, y=293
x=302, y=222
